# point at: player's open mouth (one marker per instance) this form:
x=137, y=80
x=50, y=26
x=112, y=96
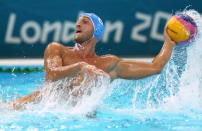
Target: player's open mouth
x=78, y=31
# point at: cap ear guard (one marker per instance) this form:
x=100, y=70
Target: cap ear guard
x=97, y=25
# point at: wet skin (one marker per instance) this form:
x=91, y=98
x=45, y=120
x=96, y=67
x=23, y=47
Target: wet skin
x=61, y=62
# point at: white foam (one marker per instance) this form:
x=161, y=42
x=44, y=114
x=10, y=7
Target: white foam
x=190, y=88
x=60, y=96
x=179, y=86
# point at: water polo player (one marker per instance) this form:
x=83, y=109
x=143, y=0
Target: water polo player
x=61, y=61
x=71, y=62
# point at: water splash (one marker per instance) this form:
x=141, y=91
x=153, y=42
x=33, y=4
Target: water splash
x=190, y=94
x=179, y=85
x=62, y=96
x=160, y=102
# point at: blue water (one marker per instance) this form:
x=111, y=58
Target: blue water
x=170, y=101
x=117, y=111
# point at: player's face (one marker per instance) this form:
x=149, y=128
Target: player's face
x=84, y=29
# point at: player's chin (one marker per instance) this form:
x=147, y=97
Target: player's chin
x=77, y=39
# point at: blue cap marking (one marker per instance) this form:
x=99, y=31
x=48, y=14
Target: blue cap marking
x=97, y=24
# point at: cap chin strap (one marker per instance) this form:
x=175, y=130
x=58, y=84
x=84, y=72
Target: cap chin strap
x=78, y=46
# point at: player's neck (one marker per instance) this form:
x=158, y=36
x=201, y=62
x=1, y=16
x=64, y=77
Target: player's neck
x=86, y=48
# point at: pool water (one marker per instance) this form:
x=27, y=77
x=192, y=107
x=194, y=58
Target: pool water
x=117, y=111
x=170, y=101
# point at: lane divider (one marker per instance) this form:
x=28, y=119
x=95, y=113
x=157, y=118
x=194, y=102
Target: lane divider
x=19, y=69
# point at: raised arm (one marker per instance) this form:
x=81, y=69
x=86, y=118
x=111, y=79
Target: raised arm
x=130, y=69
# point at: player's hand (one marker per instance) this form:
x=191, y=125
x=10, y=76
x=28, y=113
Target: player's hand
x=167, y=38
x=92, y=70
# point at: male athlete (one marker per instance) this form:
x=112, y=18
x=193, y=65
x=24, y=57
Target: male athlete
x=61, y=62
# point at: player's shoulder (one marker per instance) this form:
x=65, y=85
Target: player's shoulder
x=54, y=45
x=54, y=48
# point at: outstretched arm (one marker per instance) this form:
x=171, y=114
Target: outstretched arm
x=129, y=69
x=20, y=102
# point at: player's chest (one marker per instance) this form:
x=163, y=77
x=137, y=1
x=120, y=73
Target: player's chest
x=98, y=62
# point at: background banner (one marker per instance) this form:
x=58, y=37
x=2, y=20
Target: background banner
x=133, y=27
